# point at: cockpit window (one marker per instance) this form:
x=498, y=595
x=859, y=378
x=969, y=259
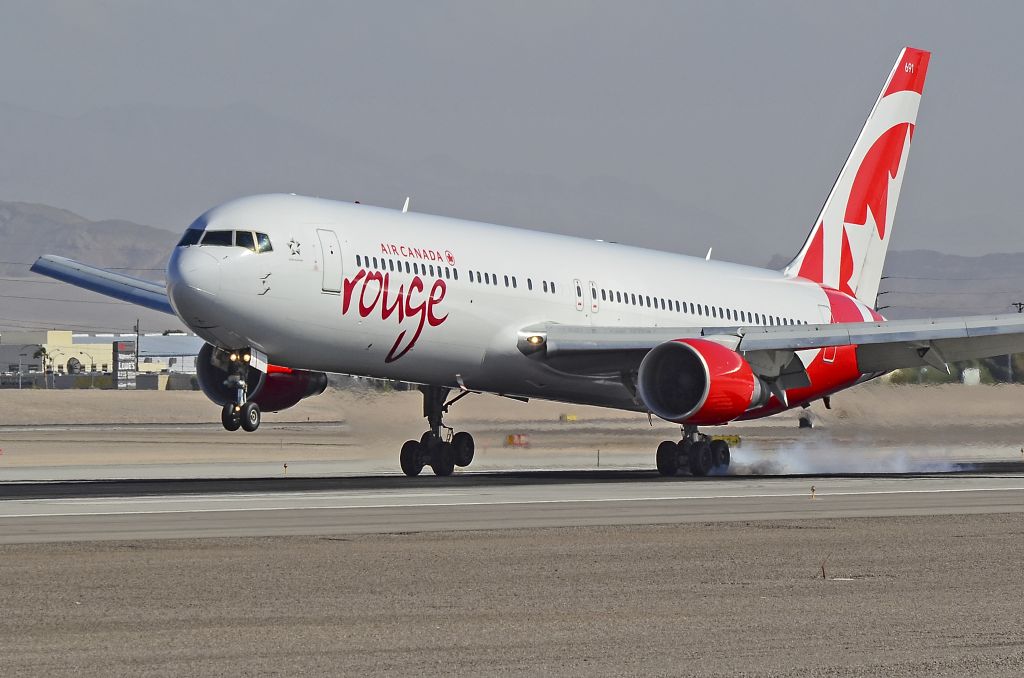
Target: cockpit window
x=244, y=239
x=191, y=237
x=263, y=243
x=222, y=238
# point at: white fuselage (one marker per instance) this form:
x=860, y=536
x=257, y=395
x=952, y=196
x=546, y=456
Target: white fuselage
x=384, y=300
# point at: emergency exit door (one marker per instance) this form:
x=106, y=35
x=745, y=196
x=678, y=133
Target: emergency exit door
x=331, y=250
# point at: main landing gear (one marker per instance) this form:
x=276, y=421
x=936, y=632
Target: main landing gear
x=696, y=452
x=441, y=447
x=241, y=413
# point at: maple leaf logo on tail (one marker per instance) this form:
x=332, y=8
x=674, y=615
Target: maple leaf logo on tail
x=844, y=251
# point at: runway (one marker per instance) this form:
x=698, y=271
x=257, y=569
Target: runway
x=34, y=513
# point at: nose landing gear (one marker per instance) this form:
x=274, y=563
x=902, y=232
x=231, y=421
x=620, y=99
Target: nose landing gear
x=441, y=447
x=242, y=413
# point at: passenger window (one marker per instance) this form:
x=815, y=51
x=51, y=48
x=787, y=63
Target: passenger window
x=633, y=298
x=506, y=281
x=494, y=278
x=603, y=298
x=677, y=306
x=552, y=287
x=191, y=237
x=391, y=264
x=359, y=261
x=218, y=238
x=529, y=284
x=432, y=271
x=618, y=297
x=455, y=273
x=545, y=285
x=514, y=283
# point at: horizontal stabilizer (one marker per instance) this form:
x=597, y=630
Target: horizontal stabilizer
x=117, y=285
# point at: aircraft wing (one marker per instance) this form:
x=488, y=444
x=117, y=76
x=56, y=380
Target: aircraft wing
x=881, y=346
x=117, y=285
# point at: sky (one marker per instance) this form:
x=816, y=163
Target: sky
x=674, y=125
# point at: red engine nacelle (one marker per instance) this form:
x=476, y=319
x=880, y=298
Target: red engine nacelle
x=278, y=389
x=696, y=381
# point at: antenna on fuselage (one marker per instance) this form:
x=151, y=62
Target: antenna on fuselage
x=405, y=207
x=707, y=257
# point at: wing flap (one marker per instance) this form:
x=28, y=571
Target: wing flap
x=117, y=285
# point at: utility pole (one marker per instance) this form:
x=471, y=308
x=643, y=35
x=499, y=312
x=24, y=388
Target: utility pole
x=1019, y=305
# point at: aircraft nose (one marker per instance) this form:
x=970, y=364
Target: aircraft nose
x=195, y=269
x=193, y=280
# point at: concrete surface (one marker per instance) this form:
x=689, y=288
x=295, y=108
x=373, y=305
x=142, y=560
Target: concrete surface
x=905, y=596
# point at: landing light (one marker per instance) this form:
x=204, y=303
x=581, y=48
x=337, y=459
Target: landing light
x=234, y=357
x=535, y=340
x=245, y=358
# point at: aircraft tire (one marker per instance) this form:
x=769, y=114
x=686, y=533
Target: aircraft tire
x=464, y=448
x=411, y=458
x=701, y=460
x=229, y=418
x=720, y=455
x=443, y=459
x=251, y=417
x=667, y=458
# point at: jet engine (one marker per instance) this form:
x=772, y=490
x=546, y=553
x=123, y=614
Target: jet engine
x=277, y=389
x=696, y=381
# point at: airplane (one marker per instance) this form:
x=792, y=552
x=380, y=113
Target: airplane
x=285, y=288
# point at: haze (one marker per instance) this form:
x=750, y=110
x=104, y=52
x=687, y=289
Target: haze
x=673, y=125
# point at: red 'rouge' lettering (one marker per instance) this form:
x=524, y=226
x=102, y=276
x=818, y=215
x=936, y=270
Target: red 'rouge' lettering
x=375, y=292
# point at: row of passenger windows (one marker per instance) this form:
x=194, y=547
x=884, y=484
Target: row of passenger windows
x=383, y=264
x=254, y=242
x=510, y=281
x=608, y=296
x=701, y=310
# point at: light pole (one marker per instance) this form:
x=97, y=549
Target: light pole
x=53, y=366
x=20, y=368
x=92, y=368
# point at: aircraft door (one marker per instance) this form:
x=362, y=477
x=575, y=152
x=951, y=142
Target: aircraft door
x=579, y=294
x=828, y=354
x=331, y=260
x=594, y=307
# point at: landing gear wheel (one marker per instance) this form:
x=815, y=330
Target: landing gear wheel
x=720, y=455
x=411, y=458
x=805, y=421
x=701, y=460
x=250, y=416
x=668, y=458
x=463, y=446
x=443, y=459
x=229, y=417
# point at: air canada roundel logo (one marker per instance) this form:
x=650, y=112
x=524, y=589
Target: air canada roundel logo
x=449, y=257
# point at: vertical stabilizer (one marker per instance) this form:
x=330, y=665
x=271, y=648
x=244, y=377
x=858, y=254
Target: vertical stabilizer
x=846, y=248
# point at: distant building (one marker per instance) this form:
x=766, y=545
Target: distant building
x=54, y=350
